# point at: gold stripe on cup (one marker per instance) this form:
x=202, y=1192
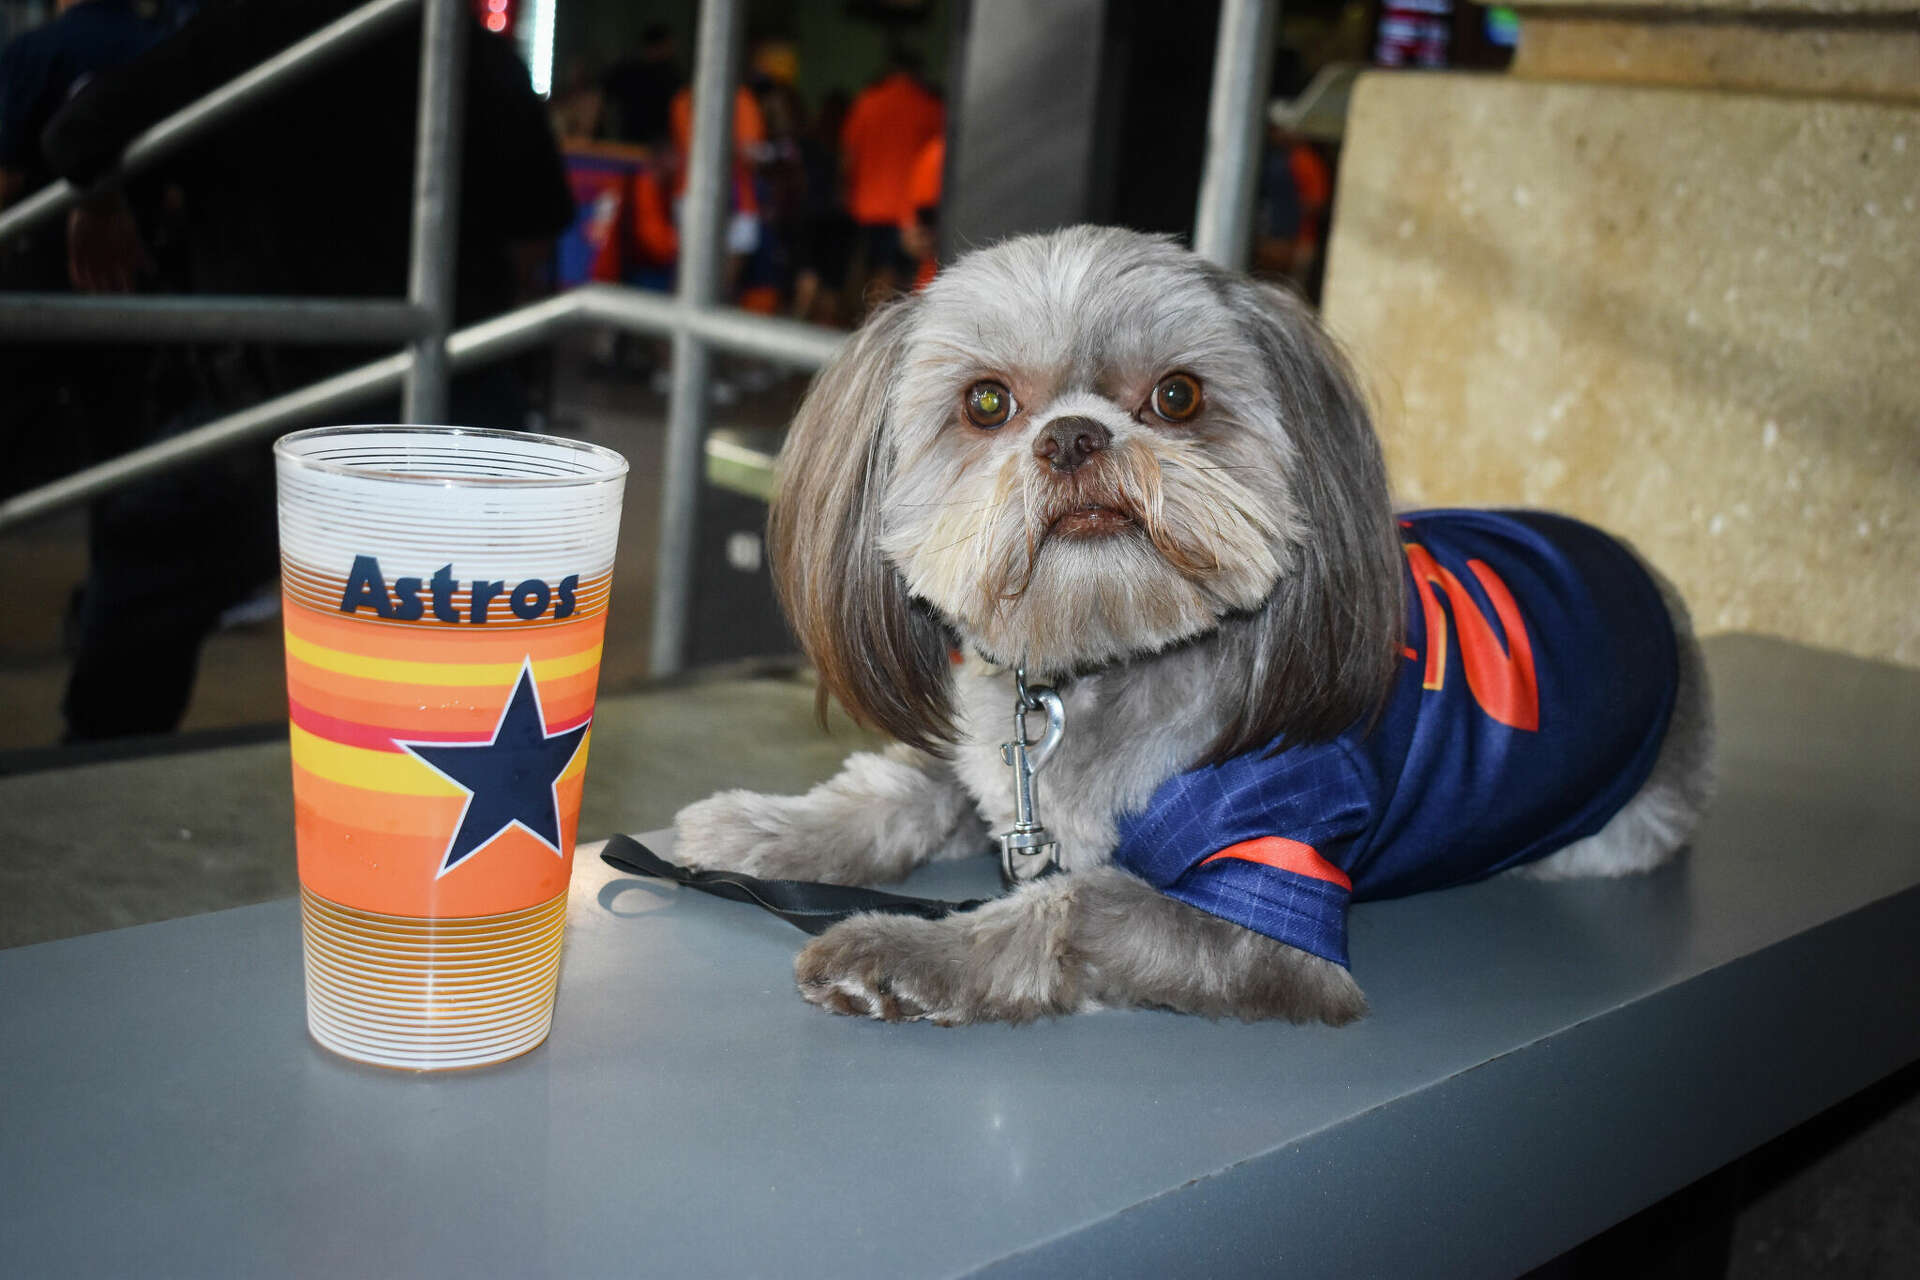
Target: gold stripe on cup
x=378, y=953
x=506, y=920
x=464, y=1045
x=412, y=993
x=431, y=999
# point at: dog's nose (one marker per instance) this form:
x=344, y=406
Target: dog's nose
x=1067, y=443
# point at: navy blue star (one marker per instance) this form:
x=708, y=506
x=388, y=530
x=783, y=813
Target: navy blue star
x=510, y=778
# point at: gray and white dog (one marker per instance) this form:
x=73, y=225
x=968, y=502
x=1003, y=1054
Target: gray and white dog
x=1155, y=484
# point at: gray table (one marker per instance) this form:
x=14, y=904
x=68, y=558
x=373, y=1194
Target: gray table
x=1541, y=1061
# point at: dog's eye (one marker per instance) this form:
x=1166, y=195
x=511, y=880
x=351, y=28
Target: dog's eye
x=1177, y=397
x=989, y=405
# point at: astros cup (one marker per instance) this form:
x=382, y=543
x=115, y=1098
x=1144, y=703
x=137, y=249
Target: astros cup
x=445, y=595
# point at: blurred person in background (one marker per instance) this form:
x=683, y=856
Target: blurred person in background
x=920, y=212
x=309, y=196
x=743, y=200
x=888, y=124
x=42, y=68
x=578, y=106
x=65, y=403
x=822, y=231
x=640, y=88
x=779, y=178
x=1294, y=195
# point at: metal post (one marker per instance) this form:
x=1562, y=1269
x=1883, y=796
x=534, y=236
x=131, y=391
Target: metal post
x=337, y=38
x=436, y=203
x=703, y=213
x=1236, y=126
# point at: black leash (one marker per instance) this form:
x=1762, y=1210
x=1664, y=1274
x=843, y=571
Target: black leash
x=803, y=904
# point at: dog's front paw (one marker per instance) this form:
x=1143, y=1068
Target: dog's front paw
x=876, y=967
x=749, y=832
x=962, y=969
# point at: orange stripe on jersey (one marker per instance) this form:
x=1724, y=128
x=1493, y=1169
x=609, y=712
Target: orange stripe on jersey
x=1285, y=855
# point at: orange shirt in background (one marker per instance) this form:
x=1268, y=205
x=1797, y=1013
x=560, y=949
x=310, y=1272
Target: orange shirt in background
x=923, y=189
x=654, y=233
x=885, y=130
x=749, y=132
x=749, y=126
x=1315, y=185
x=923, y=180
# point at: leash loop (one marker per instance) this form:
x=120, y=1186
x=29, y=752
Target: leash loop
x=1029, y=850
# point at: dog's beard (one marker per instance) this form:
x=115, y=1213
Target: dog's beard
x=1148, y=544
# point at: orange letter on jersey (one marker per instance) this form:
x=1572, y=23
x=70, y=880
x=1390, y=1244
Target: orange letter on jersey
x=1502, y=682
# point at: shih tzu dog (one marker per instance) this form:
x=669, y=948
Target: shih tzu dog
x=1153, y=485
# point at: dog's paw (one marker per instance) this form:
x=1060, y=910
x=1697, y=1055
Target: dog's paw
x=981, y=966
x=889, y=968
x=752, y=833
x=879, y=967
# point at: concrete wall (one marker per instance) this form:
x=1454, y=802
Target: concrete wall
x=1673, y=294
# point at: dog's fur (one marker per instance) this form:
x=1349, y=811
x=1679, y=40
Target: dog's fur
x=1256, y=590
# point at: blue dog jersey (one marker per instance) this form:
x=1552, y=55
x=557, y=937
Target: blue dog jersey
x=1537, y=682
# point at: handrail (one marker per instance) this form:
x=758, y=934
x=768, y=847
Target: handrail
x=66, y=317
x=341, y=36
x=631, y=310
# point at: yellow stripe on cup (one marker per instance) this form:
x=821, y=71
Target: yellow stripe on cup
x=392, y=772
x=399, y=671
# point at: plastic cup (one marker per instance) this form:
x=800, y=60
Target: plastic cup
x=445, y=597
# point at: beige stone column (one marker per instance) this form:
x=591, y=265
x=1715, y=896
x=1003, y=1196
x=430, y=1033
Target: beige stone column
x=1663, y=275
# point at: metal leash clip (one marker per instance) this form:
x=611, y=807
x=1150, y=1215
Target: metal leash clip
x=1029, y=851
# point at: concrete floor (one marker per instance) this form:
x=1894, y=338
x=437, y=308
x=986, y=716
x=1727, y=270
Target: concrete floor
x=185, y=840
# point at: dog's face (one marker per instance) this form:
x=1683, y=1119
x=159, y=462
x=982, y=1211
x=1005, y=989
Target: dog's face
x=1081, y=448
x=1087, y=464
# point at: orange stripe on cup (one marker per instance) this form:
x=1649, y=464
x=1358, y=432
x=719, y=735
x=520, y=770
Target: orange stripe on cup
x=388, y=737
x=375, y=822
x=447, y=665
x=334, y=629
x=1285, y=855
x=389, y=860
x=435, y=708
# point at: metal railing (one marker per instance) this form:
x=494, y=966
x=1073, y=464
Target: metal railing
x=693, y=318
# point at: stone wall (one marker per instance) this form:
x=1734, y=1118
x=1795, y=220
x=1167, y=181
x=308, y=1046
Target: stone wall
x=1665, y=276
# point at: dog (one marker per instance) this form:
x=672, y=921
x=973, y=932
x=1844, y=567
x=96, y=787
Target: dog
x=1153, y=485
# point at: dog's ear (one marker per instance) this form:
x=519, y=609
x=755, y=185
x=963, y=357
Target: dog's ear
x=883, y=655
x=1327, y=643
